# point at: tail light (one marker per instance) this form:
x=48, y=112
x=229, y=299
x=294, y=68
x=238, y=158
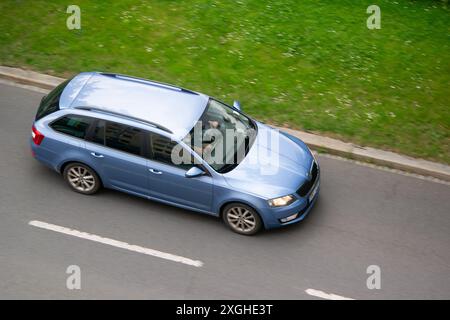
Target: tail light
x=37, y=136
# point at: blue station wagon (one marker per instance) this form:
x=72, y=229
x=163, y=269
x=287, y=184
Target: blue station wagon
x=176, y=146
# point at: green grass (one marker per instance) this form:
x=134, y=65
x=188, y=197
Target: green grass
x=309, y=64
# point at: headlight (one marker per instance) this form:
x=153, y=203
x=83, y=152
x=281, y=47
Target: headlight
x=282, y=201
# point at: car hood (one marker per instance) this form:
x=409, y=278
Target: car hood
x=276, y=165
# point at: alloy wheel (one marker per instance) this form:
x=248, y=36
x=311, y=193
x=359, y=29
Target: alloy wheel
x=81, y=179
x=241, y=219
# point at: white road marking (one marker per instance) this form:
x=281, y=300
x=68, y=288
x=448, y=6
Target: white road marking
x=324, y=295
x=116, y=243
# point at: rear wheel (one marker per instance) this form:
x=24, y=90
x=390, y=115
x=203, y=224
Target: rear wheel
x=81, y=178
x=242, y=219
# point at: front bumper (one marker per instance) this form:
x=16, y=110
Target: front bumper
x=305, y=211
x=302, y=207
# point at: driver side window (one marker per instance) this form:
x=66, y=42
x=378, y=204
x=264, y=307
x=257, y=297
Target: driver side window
x=165, y=150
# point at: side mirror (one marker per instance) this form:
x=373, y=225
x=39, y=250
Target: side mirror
x=194, y=172
x=237, y=105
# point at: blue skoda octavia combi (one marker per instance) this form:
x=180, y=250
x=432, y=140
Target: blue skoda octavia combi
x=175, y=146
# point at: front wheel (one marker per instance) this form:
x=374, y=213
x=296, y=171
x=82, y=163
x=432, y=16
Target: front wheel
x=81, y=178
x=242, y=219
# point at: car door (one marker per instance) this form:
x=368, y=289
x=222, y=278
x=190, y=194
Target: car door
x=167, y=181
x=116, y=153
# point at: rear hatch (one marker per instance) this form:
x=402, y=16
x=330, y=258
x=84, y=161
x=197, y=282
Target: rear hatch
x=50, y=102
x=63, y=95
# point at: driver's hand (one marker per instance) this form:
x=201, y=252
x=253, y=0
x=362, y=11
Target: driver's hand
x=214, y=124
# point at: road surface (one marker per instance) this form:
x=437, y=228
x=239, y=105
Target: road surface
x=365, y=216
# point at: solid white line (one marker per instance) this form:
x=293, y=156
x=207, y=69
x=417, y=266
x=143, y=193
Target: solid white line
x=324, y=295
x=115, y=243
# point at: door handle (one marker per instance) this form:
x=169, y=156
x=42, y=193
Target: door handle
x=154, y=171
x=97, y=155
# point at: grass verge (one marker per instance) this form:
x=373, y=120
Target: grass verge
x=310, y=65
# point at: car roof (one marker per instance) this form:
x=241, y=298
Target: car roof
x=164, y=106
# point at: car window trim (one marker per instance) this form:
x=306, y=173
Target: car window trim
x=91, y=130
x=201, y=166
x=253, y=123
x=66, y=134
x=146, y=152
x=88, y=138
x=60, y=88
x=185, y=147
x=151, y=154
x=142, y=144
x=145, y=147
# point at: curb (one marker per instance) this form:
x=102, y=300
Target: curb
x=30, y=77
x=333, y=146
x=374, y=156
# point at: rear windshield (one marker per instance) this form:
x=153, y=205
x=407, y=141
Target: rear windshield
x=50, y=102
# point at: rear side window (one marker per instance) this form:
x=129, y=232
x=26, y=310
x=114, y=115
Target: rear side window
x=122, y=137
x=50, y=103
x=72, y=125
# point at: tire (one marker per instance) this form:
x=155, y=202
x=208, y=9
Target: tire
x=242, y=219
x=82, y=178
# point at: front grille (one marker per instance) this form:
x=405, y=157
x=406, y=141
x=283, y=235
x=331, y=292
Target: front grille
x=306, y=187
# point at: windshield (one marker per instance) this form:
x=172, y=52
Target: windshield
x=222, y=136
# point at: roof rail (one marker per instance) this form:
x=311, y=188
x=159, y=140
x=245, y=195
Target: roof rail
x=100, y=110
x=148, y=82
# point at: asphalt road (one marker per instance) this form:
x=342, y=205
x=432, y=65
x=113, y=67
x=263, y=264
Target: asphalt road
x=364, y=216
